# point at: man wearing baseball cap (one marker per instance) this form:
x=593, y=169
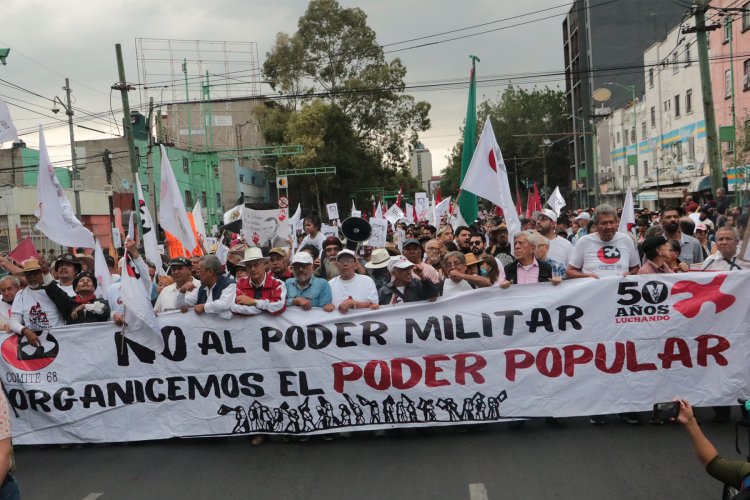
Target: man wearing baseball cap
x=560, y=249
x=349, y=289
x=278, y=261
x=180, y=269
x=404, y=287
x=66, y=268
x=583, y=219
x=259, y=291
x=305, y=290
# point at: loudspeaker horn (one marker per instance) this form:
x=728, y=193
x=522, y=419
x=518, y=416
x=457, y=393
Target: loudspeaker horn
x=355, y=230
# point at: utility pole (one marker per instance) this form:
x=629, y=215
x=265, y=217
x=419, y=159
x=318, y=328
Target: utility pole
x=712, y=137
x=73, y=158
x=127, y=123
x=107, y=160
x=187, y=106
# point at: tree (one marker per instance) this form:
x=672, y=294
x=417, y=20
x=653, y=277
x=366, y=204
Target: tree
x=522, y=120
x=334, y=54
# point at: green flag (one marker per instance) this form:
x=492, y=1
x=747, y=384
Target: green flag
x=467, y=202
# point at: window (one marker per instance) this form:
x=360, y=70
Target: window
x=746, y=75
x=185, y=165
x=626, y=138
x=691, y=149
x=618, y=137
x=675, y=65
x=643, y=130
x=677, y=152
x=653, y=116
x=216, y=171
x=688, y=62
x=689, y=101
x=204, y=199
x=218, y=200
x=632, y=134
x=667, y=105
x=730, y=147
x=727, y=32
x=242, y=178
x=645, y=168
x=728, y=84
x=188, y=198
x=651, y=78
x=746, y=16
x=677, y=106
x=747, y=135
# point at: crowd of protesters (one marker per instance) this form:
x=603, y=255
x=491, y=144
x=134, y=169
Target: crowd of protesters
x=428, y=262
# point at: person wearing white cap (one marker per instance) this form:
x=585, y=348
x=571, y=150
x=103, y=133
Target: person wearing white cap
x=403, y=286
x=560, y=249
x=305, y=290
x=583, y=219
x=260, y=290
x=351, y=290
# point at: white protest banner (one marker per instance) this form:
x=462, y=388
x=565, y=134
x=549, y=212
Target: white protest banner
x=379, y=233
x=333, y=211
x=409, y=214
x=329, y=230
x=442, y=209
x=262, y=228
x=421, y=205
x=394, y=214
x=476, y=357
x=400, y=238
x=356, y=213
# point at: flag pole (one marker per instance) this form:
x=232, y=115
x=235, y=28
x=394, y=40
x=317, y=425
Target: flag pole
x=468, y=202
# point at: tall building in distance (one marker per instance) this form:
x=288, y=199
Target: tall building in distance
x=421, y=165
x=603, y=45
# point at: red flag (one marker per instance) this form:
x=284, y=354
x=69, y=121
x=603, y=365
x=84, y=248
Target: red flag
x=438, y=198
x=400, y=192
x=537, y=200
x=24, y=251
x=529, y=204
x=518, y=201
x=498, y=211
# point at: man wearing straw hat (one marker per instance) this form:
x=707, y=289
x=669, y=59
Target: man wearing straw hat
x=259, y=291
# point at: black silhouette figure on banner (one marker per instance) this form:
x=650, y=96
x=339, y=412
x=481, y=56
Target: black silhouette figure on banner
x=411, y=411
x=307, y=418
x=242, y=426
x=287, y=419
x=427, y=407
x=374, y=409
x=359, y=415
x=449, y=406
x=346, y=415
x=388, y=409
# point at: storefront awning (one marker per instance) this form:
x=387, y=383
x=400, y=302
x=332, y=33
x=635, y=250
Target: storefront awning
x=702, y=183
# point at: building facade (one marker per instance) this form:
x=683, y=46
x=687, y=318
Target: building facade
x=603, y=42
x=656, y=145
x=420, y=164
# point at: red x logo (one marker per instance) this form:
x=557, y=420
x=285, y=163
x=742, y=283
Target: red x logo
x=710, y=292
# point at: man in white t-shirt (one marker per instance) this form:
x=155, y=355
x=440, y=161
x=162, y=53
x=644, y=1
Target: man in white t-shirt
x=349, y=289
x=33, y=308
x=180, y=269
x=560, y=249
x=9, y=286
x=605, y=252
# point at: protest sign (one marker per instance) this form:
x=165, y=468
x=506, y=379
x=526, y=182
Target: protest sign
x=379, y=233
x=264, y=229
x=584, y=347
x=333, y=211
x=421, y=205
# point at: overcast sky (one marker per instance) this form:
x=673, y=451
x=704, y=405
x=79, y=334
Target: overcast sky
x=50, y=41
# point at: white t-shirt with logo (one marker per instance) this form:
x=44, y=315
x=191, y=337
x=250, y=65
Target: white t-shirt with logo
x=33, y=308
x=605, y=258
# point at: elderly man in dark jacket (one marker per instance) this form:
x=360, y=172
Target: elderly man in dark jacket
x=403, y=286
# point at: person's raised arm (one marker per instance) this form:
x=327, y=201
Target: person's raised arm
x=704, y=449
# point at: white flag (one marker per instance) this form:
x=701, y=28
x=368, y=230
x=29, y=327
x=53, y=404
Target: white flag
x=627, y=218
x=487, y=177
x=556, y=201
x=150, y=245
x=56, y=218
x=293, y=221
x=200, y=224
x=354, y=209
x=172, y=214
x=233, y=214
x=222, y=251
x=101, y=270
x=379, y=212
x=441, y=209
x=410, y=214
x=394, y=214
x=141, y=323
x=7, y=129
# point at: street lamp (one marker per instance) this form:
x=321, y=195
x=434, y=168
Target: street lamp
x=69, y=111
x=631, y=88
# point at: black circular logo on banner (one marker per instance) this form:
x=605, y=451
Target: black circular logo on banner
x=18, y=353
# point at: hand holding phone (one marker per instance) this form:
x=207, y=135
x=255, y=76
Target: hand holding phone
x=666, y=411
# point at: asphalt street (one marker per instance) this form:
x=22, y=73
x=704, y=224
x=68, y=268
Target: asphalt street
x=614, y=461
